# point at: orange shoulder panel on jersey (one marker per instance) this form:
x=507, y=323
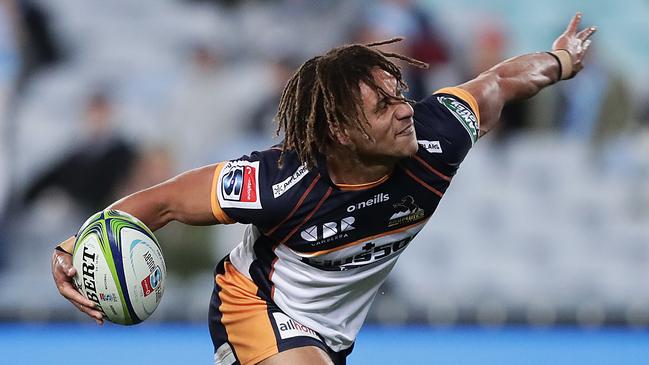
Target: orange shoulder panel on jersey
x=219, y=214
x=464, y=95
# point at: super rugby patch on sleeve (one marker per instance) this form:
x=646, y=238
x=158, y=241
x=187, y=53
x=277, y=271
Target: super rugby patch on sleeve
x=238, y=185
x=464, y=115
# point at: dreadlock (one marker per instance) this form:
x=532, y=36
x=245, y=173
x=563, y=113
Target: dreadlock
x=324, y=97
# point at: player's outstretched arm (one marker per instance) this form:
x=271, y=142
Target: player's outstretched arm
x=185, y=198
x=524, y=76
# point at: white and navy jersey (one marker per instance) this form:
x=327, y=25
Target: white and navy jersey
x=320, y=251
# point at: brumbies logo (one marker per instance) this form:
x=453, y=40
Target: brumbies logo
x=238, y=185
x=406, y=212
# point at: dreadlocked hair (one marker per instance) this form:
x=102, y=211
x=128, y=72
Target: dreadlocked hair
x=323, y=97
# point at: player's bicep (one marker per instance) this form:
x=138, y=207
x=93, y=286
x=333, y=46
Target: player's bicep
x=185, y=198
x=191, y=197
x=188, y=196
x=487, y=92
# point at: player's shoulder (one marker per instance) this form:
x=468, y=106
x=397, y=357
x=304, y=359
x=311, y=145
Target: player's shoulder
x=449, y=104
x=287, y=179
x=257, y=188
x=447, y=124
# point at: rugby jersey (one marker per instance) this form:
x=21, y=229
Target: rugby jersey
x=320, y=250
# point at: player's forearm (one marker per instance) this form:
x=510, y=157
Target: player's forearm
x=149, y=206
x=517, y=78
x=185, y=198
x=524, y=76
x=145, y=205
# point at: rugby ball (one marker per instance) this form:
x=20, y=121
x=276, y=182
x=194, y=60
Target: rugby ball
x=119, y=266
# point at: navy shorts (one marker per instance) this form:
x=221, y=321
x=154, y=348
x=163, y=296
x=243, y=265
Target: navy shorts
x=246, y=329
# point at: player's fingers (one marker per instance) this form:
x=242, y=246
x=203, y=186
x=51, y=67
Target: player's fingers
x=574, y=24
x=70, y=293
x=586, y=45
x=586, y=33
x=94, y=314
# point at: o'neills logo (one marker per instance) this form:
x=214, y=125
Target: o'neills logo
x=88, y=276
x=288, y=327
x=376, y=199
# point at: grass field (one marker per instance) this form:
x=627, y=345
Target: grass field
x=73, y=344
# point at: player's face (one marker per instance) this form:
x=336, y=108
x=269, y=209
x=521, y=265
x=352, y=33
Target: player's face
x=391, y=123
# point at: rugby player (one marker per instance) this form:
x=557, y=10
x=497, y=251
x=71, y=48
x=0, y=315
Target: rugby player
x=361, y=169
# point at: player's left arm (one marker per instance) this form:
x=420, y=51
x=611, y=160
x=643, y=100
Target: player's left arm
x=524, y=76
x=184, y=198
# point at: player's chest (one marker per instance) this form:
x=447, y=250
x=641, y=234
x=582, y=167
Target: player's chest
x=332, y=218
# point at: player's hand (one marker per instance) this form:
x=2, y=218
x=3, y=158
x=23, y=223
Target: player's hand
x=63, y=273
x=576, y=43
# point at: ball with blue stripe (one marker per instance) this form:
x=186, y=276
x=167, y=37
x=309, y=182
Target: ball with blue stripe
x=119, y=266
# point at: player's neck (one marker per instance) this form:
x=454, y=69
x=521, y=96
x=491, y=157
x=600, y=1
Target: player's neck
x=345, y=167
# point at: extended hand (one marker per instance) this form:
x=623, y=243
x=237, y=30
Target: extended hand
x=575, y=43
x=63, y=272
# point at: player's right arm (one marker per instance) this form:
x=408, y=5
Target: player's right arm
x=184, y=198
x=524, y=76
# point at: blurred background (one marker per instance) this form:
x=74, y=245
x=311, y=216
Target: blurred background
x=538, y=253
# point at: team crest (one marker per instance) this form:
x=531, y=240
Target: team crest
x=406, y=212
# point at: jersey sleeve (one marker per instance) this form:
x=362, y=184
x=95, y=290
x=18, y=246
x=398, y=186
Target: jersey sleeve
x=447, y=124
x=241, y=189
